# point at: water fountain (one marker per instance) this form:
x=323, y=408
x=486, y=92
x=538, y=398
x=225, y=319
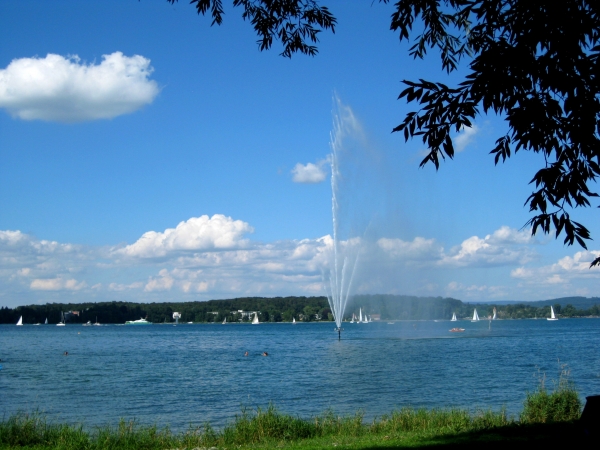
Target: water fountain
x=343, y=260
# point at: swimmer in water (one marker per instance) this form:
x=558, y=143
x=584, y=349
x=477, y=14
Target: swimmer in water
x=66, y=353
x=246, y=354
x=265, y=354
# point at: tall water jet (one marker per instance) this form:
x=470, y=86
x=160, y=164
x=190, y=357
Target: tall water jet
x=343, y=258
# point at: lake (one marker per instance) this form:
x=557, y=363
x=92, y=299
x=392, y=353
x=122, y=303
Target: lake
x=192, y=374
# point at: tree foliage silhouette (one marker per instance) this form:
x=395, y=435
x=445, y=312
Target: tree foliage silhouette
x=534, y=62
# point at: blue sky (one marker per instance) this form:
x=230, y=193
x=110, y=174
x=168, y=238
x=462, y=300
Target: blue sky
x=147, y=156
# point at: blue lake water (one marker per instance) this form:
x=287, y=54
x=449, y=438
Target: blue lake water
x=190, y=374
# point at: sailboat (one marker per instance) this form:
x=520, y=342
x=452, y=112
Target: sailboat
x=294, y=320
x=255, y=320
x=552, y=316
x=360, y=319
x=96, y=323
x=353, y=316
x=224, y=320
x=453, y=317
x=46, y=322
x=494, y=316
x=20, y=322
x=62, y=320
x=475, y=316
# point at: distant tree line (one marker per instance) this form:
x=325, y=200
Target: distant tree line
x=402, y=307
x=284, y=309
x=278, y=309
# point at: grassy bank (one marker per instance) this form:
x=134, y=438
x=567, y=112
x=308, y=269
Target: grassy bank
x=546, y=417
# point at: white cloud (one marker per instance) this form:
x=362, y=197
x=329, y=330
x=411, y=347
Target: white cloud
x=196, y=234
x=417, y=249
x=118, y=287
x=63, y=89
x=209, y=257
x=505, y=246
x=163, y=282
x=310, y=173
x=564, y=272
x=474, y=291
x=56, y=284
x=465, y=137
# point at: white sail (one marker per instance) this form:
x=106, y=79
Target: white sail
x=20, y=322
x=97, y=323
x=353, y=316
x=293, y=320
x=46, y=322
x=494, y=316
x=360, y=315
x=475, y=316
x=552, y=316
x=453, y=317
x=224, y=320
x=255, y=320
x=62, y=320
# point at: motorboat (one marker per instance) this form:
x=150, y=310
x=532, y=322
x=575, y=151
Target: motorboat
x=138, y=322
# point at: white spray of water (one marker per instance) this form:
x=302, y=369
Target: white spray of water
x=343, y=261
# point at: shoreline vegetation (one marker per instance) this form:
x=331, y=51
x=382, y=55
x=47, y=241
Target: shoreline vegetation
x=546, y=417
x=302, y=309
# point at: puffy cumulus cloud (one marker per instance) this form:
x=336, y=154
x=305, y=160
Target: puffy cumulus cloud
x=196, y=234
x=56, y=284
x=418, y=249
x=503, y=247
x=63, y=89
x=563, y=272
x=310, y=173
x=163, y=282
x=465, y=137
x=26, y=256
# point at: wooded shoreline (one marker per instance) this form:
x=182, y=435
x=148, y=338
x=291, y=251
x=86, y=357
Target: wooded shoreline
x=305, y=309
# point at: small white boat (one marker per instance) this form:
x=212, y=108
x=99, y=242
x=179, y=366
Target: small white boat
x=494, y=316
x=552, y=316
x=87, y=324
x=190, y=323
x=97, y=324
x=46, y=322
x=224, y=320
x=294, y=320
x=453, y=317
x=62, y=320
x=475, y=316
x=353, y=316
x=20, y=322
x=255, y=320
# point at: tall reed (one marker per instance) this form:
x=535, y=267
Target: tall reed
x=560, y=405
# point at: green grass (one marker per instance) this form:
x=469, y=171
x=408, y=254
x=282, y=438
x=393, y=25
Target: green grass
x=547, y=418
